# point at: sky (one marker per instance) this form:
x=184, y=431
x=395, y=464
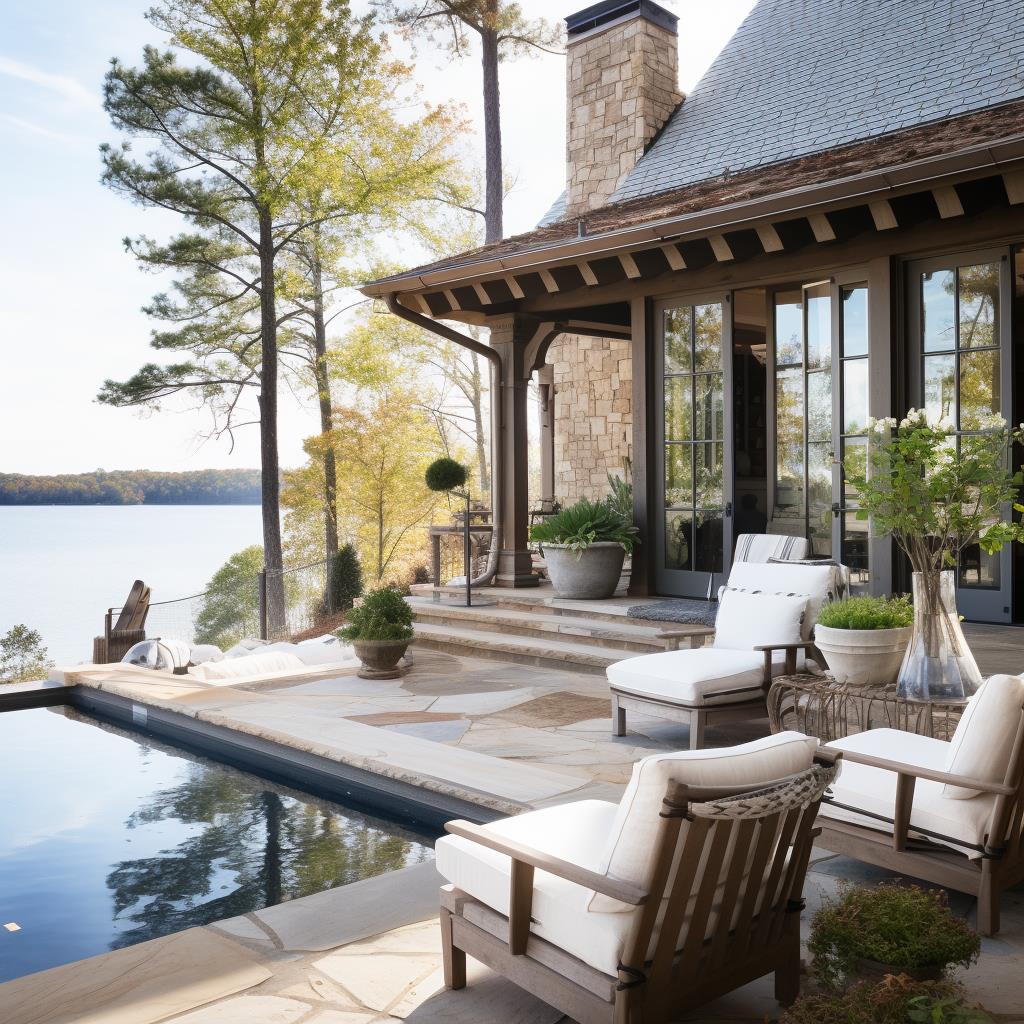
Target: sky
x=71, y=297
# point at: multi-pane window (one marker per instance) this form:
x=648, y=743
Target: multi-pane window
x=853, y=349
x=694, y=437
x=961, y=369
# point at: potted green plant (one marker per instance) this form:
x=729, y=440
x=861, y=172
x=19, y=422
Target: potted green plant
x=896, y=999
x=936, y=493
x=584, y=547
x=380, y=630
x=889, y=929
x=864, y=639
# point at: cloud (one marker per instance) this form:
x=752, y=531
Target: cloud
x=38, y=129
x=63, y=86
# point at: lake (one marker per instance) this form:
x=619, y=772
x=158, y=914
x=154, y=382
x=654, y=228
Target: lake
x=62, y=566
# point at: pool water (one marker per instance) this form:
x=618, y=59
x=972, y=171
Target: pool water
x=108, y=838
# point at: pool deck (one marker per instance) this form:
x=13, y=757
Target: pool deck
x=498, y=737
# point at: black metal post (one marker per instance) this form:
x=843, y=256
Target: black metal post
x=467, y=547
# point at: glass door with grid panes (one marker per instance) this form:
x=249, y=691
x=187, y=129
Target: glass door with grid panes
x=819, y=396
x=959, y=334
x=693, y=514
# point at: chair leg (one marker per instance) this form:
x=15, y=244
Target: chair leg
x=787, y=973
x=988, y=902
x=698, y=720
x=454, y=958
x=618, y=717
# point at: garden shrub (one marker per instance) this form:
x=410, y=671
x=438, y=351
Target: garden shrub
x=346, y=579
x=383, y=615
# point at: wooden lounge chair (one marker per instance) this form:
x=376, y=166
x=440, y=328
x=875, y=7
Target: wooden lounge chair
x=951, y=813
x=118, y=637
x=687, y=889
x=764, y=628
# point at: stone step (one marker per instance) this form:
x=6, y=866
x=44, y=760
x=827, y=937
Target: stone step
x=527, y=650
x=496, y=619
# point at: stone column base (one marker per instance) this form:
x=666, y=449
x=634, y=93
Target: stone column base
x=515, y=569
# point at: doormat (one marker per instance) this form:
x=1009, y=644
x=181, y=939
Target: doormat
x=687, y=611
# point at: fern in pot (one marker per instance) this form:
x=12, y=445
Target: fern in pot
x=584, y=547
x=864, y=639
x=380, y=630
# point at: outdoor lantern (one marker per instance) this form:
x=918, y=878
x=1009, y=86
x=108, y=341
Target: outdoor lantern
x=161, y=655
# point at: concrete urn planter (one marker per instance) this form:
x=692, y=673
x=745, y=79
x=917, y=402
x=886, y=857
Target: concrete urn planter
x=380, y=658
x=863, y=657
x=590, y=574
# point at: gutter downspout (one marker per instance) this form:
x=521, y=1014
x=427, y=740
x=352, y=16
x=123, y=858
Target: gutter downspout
x=497, y=472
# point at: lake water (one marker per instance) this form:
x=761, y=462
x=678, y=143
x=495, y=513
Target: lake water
x=62, y=566
x=108, y=838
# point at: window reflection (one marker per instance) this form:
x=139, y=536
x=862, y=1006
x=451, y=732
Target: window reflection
x=678, y=476
x=938, y=310
x=940, y=386
x=677, y=341
x=855, y=321
x=819, y=327
x=979, y=388
x=979, y=305
x=678, y=540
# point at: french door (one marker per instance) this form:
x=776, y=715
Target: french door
x=819, y=398
x=959, y=333
x=693, y=482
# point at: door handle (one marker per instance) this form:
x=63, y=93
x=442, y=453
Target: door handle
x=836, y=509
x=728, y=509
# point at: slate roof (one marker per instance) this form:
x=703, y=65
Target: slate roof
x=803, y=76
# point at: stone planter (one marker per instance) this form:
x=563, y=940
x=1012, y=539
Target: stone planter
x=863, y=657
x=588, y=575
x=380, y=658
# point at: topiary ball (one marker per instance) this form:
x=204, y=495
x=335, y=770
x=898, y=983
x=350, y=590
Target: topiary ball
x=446, y=474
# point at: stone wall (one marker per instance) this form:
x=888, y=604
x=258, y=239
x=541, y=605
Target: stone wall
x=593, y=380
x=622, y=86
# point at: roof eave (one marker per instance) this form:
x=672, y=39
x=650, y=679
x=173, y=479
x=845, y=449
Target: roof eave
x=876, y=183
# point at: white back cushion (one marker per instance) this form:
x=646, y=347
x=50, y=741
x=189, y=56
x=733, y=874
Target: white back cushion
x=746, y=620
x=818, y=582
x=630, y=853
x=983, y=741
x=760, y=547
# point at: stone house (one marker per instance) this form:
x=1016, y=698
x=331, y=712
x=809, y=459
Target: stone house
x=829, y=227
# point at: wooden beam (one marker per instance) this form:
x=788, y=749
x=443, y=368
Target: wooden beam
x=674, y=257
x=589, y=277
x=549, y=282
x=481, y=293
x=452, y=301
x=948, y=202
x=770, y=240
x=513, y=287
x=421, y=301
x=882, y=214
x=721, y=249
x=1014, y=182
x=821, y=227
x=629, y=265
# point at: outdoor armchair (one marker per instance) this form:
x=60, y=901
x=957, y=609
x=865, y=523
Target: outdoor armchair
x=764, y=628
x=947, y=812
x=688, y=888
x=120, y=636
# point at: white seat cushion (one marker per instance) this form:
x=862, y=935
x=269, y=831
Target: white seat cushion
x=984, y=737
x=631, y=844
x=867, y=796
x=691, y=678
x=818, y=582
x=576, y=832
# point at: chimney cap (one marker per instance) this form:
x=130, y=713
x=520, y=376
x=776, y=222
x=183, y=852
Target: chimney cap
x=602, y=14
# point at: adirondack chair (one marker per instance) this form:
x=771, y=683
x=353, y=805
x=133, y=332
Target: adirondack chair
x=130, y=627
x=764, y=628
x=951, y=813
x=688, y=888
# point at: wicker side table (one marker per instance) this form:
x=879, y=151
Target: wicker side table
x=819, y=706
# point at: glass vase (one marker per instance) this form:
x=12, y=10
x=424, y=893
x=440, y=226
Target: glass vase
x=938, y=664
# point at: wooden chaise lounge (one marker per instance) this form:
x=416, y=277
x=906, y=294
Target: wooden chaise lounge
x=119, y=637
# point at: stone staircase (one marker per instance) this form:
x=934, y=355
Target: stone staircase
x=578, y=636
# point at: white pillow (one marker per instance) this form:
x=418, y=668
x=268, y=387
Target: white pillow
x=818, y=582
x=631, y=843
x=983, y=741
x=251, y=665
x=746, y=620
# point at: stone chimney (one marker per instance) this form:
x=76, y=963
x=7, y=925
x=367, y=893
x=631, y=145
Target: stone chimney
x=622, y=75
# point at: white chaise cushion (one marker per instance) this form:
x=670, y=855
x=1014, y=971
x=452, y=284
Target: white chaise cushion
x=867, y=796
x=691, y=678
x=576, y=832
x=818, y=582
x=629, y=854
x=745, y=620
x=983, y=741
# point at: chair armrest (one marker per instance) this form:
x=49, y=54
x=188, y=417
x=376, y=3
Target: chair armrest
x=692, y=633
x=796, y=645
x=623, y=891
x=790, y=648
x=917, y=772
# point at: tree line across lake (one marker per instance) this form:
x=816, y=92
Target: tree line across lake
x=133, y=487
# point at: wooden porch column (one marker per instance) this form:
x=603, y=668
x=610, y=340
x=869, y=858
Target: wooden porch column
x=514, y=559
x=641, y=579
x=546, y=383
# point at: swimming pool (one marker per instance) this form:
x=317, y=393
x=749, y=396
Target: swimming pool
x=109, y=837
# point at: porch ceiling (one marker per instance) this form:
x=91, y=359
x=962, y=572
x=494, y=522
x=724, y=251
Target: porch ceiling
x=937, y=178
